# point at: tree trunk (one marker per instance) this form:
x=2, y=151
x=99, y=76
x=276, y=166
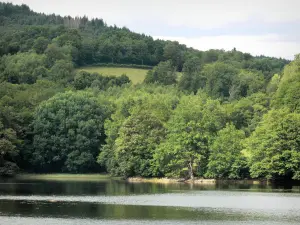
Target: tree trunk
x=1, y=160
x=191, y=172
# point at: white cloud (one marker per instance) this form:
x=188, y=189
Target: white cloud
x=269, y=45
x=203, y=14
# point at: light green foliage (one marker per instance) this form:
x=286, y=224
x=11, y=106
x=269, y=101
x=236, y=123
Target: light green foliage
x=288, y=91
x=157, y=103
x=246, y=83
x=273, y=84
x=68, y=132
x=21, y=68
x=193, y=126
x=274, y=148
x=138, y=138
x=247, y=112
x=226, y=159
x=163, y=73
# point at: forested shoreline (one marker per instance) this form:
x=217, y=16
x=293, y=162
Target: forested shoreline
x=226, y=115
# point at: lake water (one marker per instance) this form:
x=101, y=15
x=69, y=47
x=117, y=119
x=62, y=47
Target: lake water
x=24, y=202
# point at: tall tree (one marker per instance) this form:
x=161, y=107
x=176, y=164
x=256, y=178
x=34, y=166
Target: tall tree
x=226, y=159
x=274, y=147
x=68, y=131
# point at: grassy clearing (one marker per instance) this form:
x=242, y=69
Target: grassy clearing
x=135, y=75
x=64, y=177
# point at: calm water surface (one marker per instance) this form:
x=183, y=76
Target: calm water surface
x=117, y=202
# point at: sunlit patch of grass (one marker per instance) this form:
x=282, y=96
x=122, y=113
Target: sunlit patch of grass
x=134, y=74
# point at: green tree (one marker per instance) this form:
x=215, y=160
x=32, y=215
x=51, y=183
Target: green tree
x=195, y=122
x=191, y=79
x=61, y=71
x=40, y=45
x=246, y=113
x=8, y=150
x=21, y=68
x=54, y=53
x=246, y=83
x=219, y=79
x=226, y=159
x=173, y=51
x=273, y=84
x=139, y=136
x=163, y=73
x=273, y=148
x=288, y=94
x=68, y=131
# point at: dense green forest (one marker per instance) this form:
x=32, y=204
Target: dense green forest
x=227, y=115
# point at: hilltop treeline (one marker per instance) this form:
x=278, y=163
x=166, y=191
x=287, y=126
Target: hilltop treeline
x=228, y=114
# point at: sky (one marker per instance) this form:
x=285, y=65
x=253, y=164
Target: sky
x=259, y=27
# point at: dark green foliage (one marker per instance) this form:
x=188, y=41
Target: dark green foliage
x=163, y=73
x=40, y=45
x=84, y=80
x=192, y=78
x=68, y=131
x=8, y=150
x=219, y=79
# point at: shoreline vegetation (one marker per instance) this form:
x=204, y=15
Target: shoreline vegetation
x=153, y=180
x=211, y=114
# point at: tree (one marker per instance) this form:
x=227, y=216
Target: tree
x=61, y=71
x=40, y=45
x=173, y=52
x=288, y=94
x=219, y=79
x=21, y=68
x=163, y=73
x=246, y=113
x=68, y=131
x=274, y=147
x=191, y=79
x=246, y=83
x=226, y=159
x=273, y=84
x=136, y=104
x=139, y=136
x=8, y=150
x=194, y=124
x=54, y=53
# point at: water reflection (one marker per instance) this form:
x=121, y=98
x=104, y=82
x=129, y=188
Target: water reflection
x=116, y=187
x=107, y=201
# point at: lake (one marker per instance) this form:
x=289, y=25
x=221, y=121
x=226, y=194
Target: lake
x=108, y=201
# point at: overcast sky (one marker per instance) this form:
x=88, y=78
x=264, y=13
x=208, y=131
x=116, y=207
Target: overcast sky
x=269, y=27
